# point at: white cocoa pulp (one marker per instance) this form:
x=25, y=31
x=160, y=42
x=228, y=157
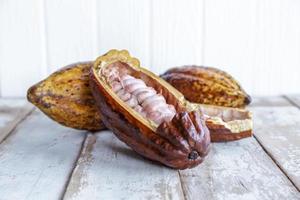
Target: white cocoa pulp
x=143, y=99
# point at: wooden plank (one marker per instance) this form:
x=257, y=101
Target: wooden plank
x=125, y=25
x=278, y=131
x=22, y=50
x=12, y=111
x=269, y=101
x=237, y=170
x=71, y=32
x=257, y=41
x=177, y=37
x=108, y=169
x=37, y=158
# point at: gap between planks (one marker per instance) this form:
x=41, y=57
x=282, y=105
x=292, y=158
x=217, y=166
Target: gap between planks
x=82, y=180
x=37, y=158
x=74, y=166
x=276, y=163
x=86, y=144
x=106, y=166
x=19, y=114
x=108, y=169
x=184, y=196
x=294, y=100
x=279, y=103
x=181, y=185
x=10, y=128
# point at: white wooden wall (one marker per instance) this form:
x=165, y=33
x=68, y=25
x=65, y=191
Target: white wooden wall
x=257, y=41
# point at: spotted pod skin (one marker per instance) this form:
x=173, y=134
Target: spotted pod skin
x=180, y=143
x=207, y=85
x=65, y=97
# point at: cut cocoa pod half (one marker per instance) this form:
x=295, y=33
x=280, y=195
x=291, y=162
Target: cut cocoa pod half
x=207, y=85
x=147, y=113
x=227, y=124
x=65, y=97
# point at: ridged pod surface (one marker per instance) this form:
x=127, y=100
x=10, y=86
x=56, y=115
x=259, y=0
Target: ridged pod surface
x=207, y=85
x=65, y=97
x=180, y=143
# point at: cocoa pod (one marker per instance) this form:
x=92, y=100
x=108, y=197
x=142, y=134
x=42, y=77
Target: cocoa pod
x=57, y=97
x=180, y=142
x=207, y=85
x=227, y=124
x=65, y=96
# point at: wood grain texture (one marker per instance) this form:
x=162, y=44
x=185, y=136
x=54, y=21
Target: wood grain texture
x=22, y=51
x=257, y=41
x=277, y=43
x=229, y=36
x=37, y=158
x=278, y=131
x=237, y=170
x=108, y=169
x=12, y=111
x=71, y=32
x=177, y=28
x=125, y=25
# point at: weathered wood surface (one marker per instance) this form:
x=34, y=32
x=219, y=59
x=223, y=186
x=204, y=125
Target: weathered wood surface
x=12, y=111
x=43, y=160
x=277, y=128
x=108, y=169
x=295, y=99
x=237, y=170
x=37, y=159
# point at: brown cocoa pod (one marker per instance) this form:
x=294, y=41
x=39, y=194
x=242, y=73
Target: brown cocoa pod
x=59, y=98
x=179, y=142
x=227, y=124
x=65, y=97
x=207, y=85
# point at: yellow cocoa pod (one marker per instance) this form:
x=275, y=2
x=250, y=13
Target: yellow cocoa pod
x=65, y=97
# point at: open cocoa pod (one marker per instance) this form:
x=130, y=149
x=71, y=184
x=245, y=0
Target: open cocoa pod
x=65, y=97
x=227, y=124
x=207, y=85
x=147, y=113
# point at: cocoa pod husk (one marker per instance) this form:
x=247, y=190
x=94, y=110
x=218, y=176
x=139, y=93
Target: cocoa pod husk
x=53, y=97
x=207, y=85
x=180, y=143
x=227, y=124
x=65, y=97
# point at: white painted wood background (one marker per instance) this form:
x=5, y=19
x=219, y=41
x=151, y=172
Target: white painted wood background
x=257, y=41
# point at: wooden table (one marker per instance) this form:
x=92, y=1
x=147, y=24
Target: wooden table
x=40, y=159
